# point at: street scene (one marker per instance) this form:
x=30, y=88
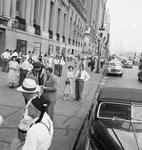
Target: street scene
x=70, y=75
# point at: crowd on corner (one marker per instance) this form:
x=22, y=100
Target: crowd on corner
x=36, y=77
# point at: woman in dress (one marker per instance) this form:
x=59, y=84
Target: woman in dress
x=68, y=87
x=12, y=77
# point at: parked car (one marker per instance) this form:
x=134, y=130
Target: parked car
x=114, y=122
x=128, y=64
x=114, y=68
x=140, y=75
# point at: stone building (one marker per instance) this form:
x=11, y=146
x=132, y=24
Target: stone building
x=47, y=26
x=95, y=16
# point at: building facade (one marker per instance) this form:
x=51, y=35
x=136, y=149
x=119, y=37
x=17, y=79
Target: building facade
x=48, y=26
x=95, y=17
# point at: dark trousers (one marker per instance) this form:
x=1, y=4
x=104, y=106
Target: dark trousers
x=60, y=70
x=55, y=69
x=50, y=110
x=22, y=75
x=79, y=86
x=5, y=65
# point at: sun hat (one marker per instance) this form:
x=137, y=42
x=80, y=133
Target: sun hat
x=29, y=86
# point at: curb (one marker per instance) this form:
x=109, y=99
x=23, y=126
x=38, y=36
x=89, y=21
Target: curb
x=75, y=147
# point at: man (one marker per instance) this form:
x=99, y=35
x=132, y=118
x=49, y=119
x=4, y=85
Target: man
x=40, y=132
x=61, y=63
x=5, y=60
x=81, y=77
x=50, y=90
x=24, y=68
x=37, y=73
x=56, y=64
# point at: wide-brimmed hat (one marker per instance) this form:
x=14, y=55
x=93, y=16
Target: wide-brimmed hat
x=70, y=67
x=29, y=86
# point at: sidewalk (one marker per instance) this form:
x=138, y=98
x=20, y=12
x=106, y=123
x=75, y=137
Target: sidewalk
x=68, y=117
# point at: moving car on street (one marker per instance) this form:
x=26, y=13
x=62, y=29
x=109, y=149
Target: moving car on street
x=114, y=68
x=128, y=64
x=114, y=122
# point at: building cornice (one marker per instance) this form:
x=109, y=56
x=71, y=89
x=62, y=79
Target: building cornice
x=79, y=7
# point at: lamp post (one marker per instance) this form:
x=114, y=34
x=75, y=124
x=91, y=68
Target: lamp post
x=99, y=49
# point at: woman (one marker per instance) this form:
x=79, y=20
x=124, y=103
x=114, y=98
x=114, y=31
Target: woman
x=81, y=76
x=12, y=77
x=68, y=87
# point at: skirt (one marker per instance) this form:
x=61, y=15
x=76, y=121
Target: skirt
x=13, y=76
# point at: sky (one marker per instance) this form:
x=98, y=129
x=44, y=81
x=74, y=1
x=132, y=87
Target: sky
x=125, y=25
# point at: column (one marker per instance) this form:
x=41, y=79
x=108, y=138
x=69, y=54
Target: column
x=61, y=23
x=32, y=12
x=13, y=9
x=1, y=4
x=42, y=7
x=54, y=19
x=37, y=11
x=27, y=11
x=46, y=15
x=22, y=8
x=6, y=8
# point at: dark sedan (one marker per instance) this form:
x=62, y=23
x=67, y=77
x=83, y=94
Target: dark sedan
x=114, y=123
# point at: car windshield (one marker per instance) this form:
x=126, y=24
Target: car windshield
x=117, y=110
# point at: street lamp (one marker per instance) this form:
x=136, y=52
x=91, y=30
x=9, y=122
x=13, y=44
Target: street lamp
x=99, y=48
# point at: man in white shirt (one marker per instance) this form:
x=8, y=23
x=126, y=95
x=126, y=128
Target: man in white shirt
x=15, y=53
x=5, y=60
x=24, y=68
x=56, y=65
x=39, y=136
x=61, y=63
x=81, y=77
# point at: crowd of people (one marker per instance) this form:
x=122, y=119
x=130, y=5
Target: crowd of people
x=36, y=77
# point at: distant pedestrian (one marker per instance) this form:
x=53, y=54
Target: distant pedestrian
x=56, y=61
x=12, y=76
x=5, y=60
x=102, y=61
x=68, y=83
x=50, y=61
x=81, y=77
x=75, y=61
x=92, y=63
x=46, y=61
x=24, y=68
x=61, y=63
x=50, y=88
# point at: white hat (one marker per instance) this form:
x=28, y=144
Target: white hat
x=29, y=86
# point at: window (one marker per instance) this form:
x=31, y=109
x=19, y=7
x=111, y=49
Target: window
x=37, y=48
x=21, y=46
x=17, y=7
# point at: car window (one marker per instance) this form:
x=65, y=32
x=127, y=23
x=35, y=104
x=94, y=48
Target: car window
x=137, y=112
x=110, y=110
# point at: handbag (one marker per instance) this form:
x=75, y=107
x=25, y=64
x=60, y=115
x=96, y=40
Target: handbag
x=67, y=82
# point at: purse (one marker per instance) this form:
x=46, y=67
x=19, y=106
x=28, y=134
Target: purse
x=67, y=82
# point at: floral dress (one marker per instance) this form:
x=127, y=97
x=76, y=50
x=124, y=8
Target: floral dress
x=13, y=72
x=68, y=87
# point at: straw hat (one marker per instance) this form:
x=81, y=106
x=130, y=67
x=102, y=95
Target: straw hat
x=29, y=86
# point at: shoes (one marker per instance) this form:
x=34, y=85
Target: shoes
x=10, y=87
x=68, y=99
x=64, y=99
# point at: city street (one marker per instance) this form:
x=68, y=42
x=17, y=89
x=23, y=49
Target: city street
x=68, y=117
x=128, y=80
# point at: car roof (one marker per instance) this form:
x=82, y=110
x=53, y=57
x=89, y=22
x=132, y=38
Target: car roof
x=124, y=95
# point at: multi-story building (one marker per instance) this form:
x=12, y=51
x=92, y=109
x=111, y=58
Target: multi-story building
x=47, y=26
x=95, y=16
